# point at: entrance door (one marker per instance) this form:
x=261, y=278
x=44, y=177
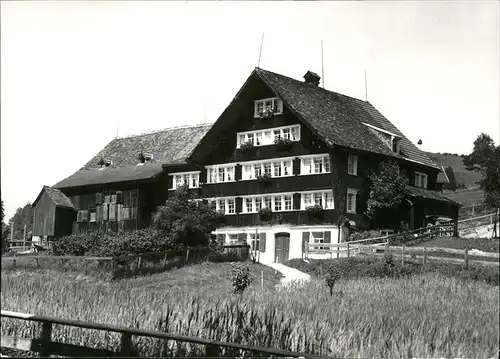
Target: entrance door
x=281, y=247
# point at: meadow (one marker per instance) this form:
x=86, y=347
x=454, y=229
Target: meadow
x=427, y=315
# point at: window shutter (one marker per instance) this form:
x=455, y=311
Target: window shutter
x=242, y=238
x=238, y=204
x=305, y=240
x=296, y=166
x=327, y=237
x=119, y=197
x=237, y=172
x=296, y=201
x=262, y=240
x=98, y=198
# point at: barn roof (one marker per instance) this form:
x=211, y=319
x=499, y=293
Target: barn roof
x=57, y=197
x=168, y=146
x=341, y=120
x=429, y=194
x=443, y=176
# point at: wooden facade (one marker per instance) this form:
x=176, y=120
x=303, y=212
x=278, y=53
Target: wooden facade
x=51, y=218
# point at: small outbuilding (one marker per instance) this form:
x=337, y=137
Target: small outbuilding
x=53, y=214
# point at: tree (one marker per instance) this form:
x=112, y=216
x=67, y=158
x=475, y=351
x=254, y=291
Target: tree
x=5, y=233
x=485, y=159
x=189, y=222
x=23, y=216
x=387, y=190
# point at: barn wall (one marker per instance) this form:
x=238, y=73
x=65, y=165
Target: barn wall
x=44, y=215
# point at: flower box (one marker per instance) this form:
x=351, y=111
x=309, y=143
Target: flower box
x=247, y=146
x=283, y=144
x=315, y=213
x=265, y=214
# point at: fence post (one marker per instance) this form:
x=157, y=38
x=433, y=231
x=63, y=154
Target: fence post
x=37, y=264
x=212, y=351
x=466, y=256
x=126, y=346
x=403, y=256
x=139, y=263
x=45, y=339
x=425, y=256
x=187, y=255
x=165, y=260
x=348, y=250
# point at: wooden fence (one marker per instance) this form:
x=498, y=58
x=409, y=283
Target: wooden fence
x=350, y=249
x=46, y=347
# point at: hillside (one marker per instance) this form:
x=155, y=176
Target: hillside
x=467, y=178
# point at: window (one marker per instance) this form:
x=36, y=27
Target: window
x=226, y=205
x=351, y=200
x=420, y=180
x=268, y=168
x=258, y=204
x=277, y=202
x=275, y=104
x=188, y=178
x=222, y=205
x=231, y=206
x=315, y=164
x=232, y=239
x=268, y=137
x=220, y=173
x=248, y=205
x=321, y=198
x=352, y=165
x=254, y=240
x=318, y=237
x=273, y=168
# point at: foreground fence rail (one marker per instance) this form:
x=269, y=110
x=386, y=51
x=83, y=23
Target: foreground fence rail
x=46, y=347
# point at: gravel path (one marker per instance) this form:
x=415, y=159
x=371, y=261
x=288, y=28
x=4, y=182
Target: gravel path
x=291, y=275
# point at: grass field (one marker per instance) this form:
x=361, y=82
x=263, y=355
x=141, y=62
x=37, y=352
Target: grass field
x=482, y=244
x=468, y=178
x=422, y=316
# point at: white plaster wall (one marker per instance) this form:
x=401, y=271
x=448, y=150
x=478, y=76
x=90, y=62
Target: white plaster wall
x=295, y=238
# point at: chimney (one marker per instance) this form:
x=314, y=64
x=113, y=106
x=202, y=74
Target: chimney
x=312, y=78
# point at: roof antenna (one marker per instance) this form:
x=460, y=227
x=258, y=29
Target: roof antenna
x=366, y=88
x=260, y=53
x=322, y=68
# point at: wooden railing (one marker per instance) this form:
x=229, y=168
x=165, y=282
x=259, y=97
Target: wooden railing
x=46, y=347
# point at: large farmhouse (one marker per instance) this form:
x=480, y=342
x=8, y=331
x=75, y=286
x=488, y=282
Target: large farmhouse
x=281, y=144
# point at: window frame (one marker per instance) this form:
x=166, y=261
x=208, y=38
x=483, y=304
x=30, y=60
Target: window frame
x=354, y=159
x=249, y=174
x=354, y=193
x=313, y=194
x=191, y=175
x=274, y=101
x=423, y=177
x=228, y=169
x=268, y=141
x=273, y=197
x=227, y=203
x=308, y=164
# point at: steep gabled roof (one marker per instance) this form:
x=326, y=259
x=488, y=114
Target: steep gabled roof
x=443, y=176
x=168, y=146
x=339, y=119
x=57, y=197
x=429, y=194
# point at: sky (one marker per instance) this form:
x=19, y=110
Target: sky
x=75, y=74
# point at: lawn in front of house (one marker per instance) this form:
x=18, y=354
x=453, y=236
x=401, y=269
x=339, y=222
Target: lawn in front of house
x=427, y=315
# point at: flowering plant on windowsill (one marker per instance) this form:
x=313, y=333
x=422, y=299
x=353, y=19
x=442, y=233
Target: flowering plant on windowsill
x=266, y=177
x=315, y=213
x=247, y=146
x=283, y=143
x=265, y=214
x=266, y=114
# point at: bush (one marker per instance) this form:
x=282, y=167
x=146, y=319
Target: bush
x=357, y=236
x=241, y=279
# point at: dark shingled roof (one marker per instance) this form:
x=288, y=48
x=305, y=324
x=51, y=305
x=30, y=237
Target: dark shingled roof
x=340, y=119
x=169, y=146
x=57, y=197
x=442, y=176
x=428, y=194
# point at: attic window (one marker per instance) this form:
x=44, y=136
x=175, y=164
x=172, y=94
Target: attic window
x=273, y=105
x=104, y=163
x=144, y=157
x=396, y=144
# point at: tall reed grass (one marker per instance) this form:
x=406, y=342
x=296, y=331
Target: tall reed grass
x=427, y=315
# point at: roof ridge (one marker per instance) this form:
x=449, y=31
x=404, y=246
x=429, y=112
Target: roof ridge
x=165, y=130
x=303, y=83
